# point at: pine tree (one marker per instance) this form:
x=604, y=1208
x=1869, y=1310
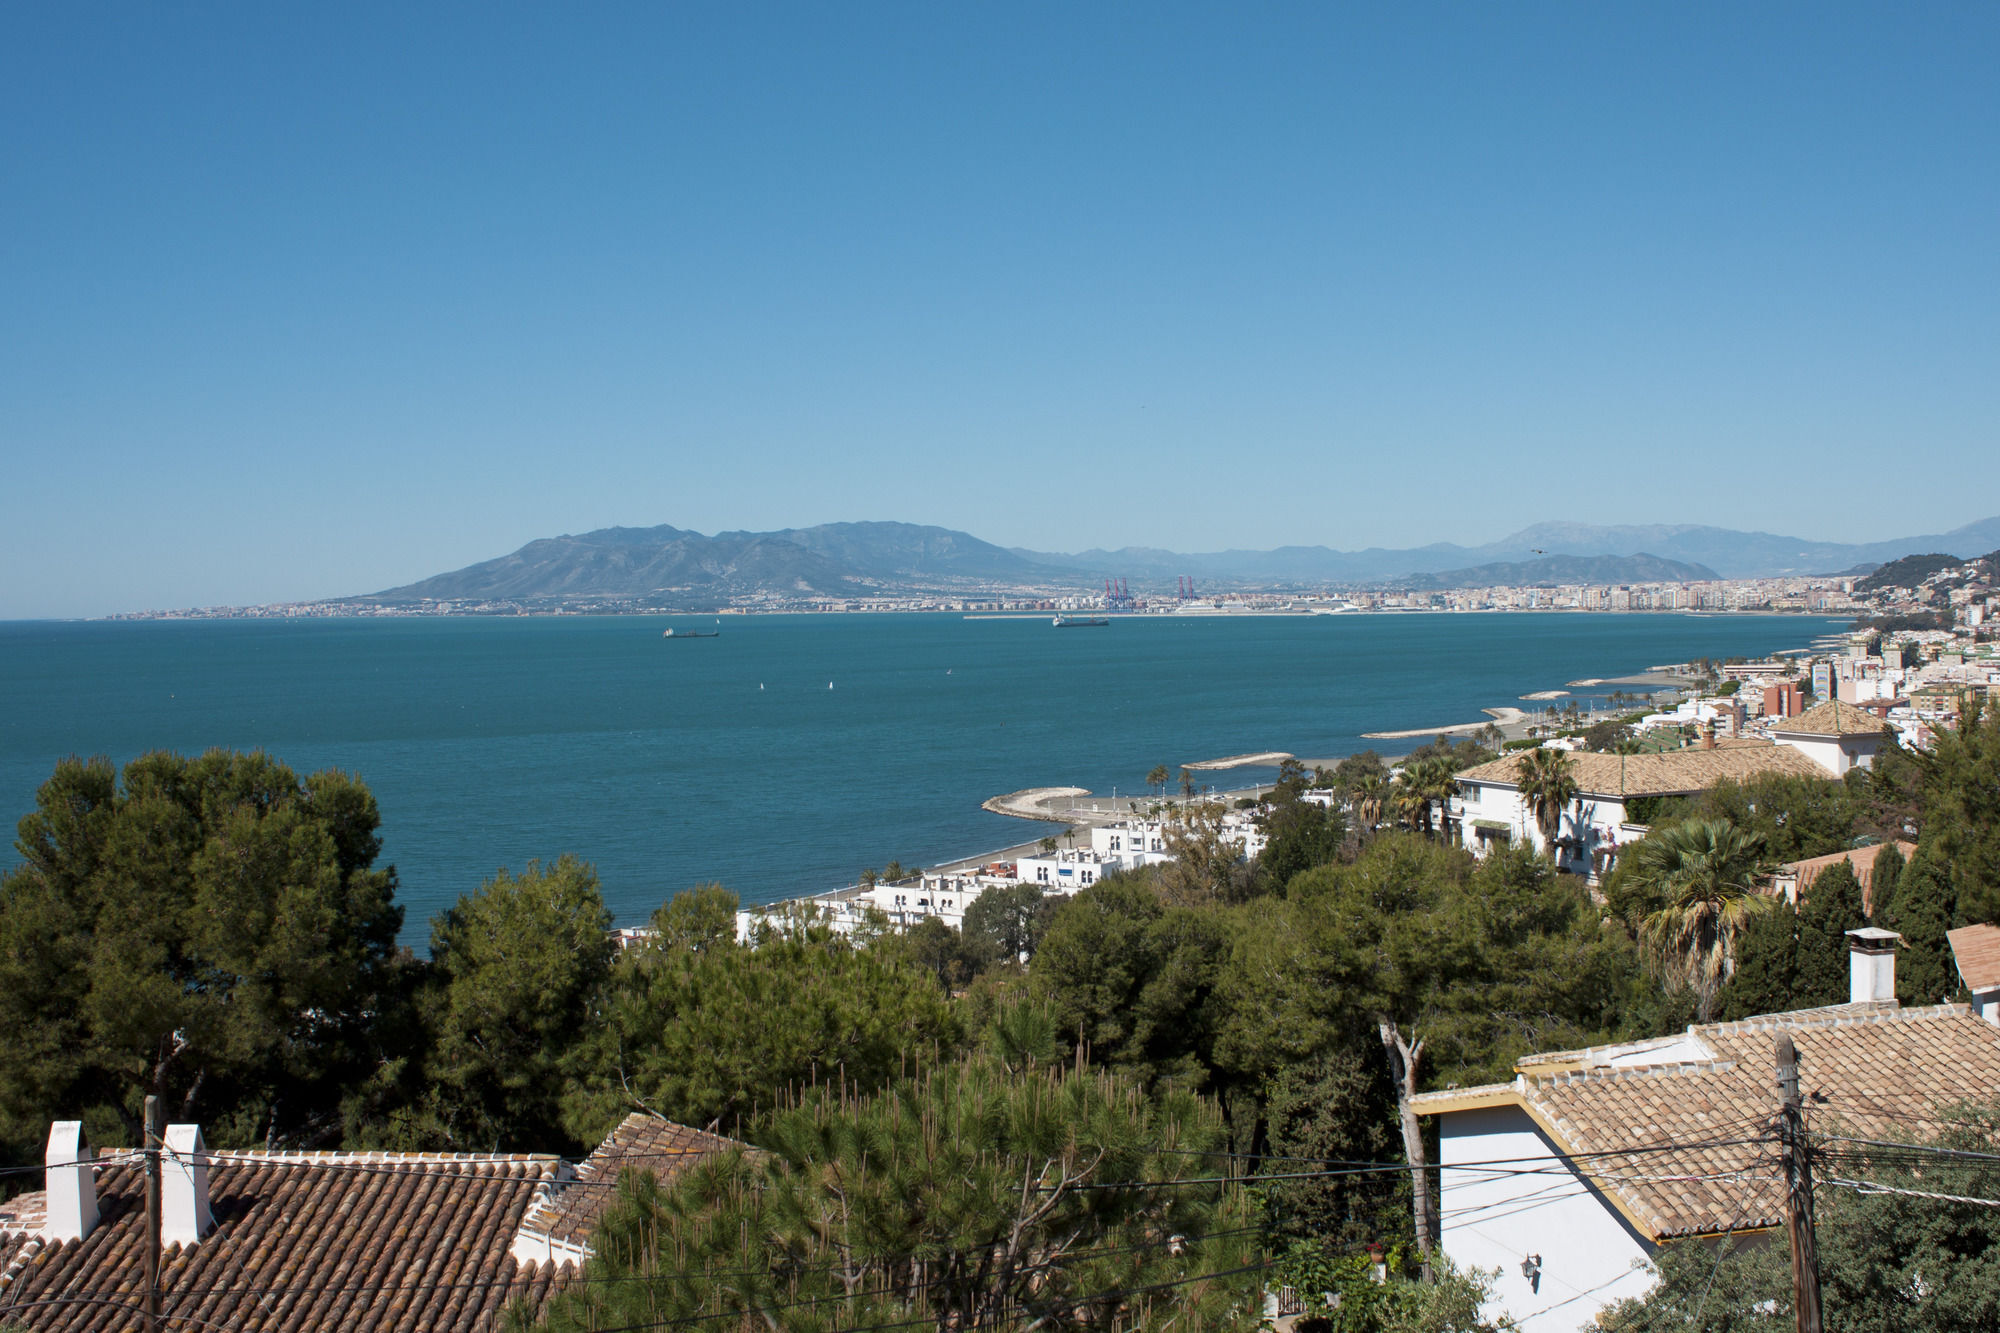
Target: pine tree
x=1961, y=807
x=1882, y=883
x=1827, y=911
x=1766, y=965
x=1922, y=913
x=965, y=1194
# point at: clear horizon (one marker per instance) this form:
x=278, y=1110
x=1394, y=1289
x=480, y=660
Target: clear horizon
x=311, y=303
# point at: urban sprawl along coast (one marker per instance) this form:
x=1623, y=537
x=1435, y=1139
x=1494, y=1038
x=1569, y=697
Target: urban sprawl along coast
x=1821, y=596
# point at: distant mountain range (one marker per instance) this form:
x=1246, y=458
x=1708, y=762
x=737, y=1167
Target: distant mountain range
x=1731, y=554
x=670, y=566
x=1640, y=568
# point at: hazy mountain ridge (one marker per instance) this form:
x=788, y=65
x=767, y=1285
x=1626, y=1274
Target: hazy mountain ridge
x=1726, y=551
x=671, y=566
x=1555, y=569
x=666, y=565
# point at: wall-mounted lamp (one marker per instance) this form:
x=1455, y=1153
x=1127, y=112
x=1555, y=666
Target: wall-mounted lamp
x=1531, y=1269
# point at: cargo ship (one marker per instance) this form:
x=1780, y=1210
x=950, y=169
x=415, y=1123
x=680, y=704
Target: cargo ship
x=1081, y=622
x=672, y=633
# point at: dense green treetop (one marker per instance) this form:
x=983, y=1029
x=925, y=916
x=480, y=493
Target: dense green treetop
x=1923, y=911
x=1961, y=808
x=1793, y=817
x=1828, y=909
x=1008, y=921
x=211, y=930
x=718, y=1032
x=1882, y=879
x=961, y=1196
x=1766, y=976
x=1301, y=835
x=518, y=973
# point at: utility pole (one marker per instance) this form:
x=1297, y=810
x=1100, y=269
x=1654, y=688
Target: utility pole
x=155, y=1129
x=1798, y=1189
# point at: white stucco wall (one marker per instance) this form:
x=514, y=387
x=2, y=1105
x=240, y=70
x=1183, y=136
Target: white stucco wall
x=1590, y=1256
x=1835, y=754
x=1596, y=821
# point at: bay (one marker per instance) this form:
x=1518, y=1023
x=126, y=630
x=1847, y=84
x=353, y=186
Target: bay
x=785, y=755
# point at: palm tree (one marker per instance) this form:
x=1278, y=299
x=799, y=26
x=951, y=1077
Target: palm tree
x=1548, y=784
x=1187, y=784
x=1370, y=797
x=1159, y=777
x=1411, y=810
x=1429, y=781
x=1705, y=870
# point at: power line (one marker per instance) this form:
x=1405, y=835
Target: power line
x=586, y=1279
x=1928, y=1150
x=1872, y=1187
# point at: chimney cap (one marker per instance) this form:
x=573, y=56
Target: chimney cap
x=71, y=1185
x=184, y=1212
x=1873, y=939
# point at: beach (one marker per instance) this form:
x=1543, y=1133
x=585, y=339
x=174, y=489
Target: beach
x=1511, y=721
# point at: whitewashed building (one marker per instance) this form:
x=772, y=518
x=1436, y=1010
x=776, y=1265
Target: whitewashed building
x=1572, y=1177
x=1128, y=845
x=1067, y=870
x=1835, y=735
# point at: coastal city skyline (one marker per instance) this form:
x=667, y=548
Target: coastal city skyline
x=304, y=305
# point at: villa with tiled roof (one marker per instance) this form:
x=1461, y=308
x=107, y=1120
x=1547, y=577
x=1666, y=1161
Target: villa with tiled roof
x=275, y=1242
x=1795, y=878
x=1573, y=1175
x=1491, y=808
x=1976, y=952
x=1836, y=735
x=563, y=1220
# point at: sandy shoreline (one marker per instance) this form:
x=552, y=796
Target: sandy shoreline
x=1034, y=803
x=1659, y=680
x=1263, y=759
x=1500, y=717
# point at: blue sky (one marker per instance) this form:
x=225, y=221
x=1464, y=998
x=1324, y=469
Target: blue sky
x=304, y=301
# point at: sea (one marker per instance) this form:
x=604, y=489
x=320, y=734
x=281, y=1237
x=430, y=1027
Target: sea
x=789, y=752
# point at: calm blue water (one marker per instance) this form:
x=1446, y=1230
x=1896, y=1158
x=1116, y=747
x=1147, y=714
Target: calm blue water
x=488, y=742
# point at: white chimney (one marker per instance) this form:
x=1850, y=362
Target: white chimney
x=184, y=1215
x=1871, y=965
x=72, y=1184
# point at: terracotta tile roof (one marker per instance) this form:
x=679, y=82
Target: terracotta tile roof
x=571, y=1211
x=1977, y=951
x=1861, y=858
x=361, y=1242
x=1835, y=717
x=1672, y=773
x=1675, y=1145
